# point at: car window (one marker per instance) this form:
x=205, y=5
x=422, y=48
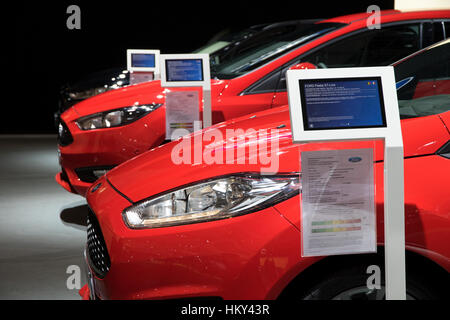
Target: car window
x=427, y=34
x=268, y=84
x=389, y=44
x=432, y=33
x=438, y=31
x=447, y=29
x=274, y=82
x=266, y=46
x=344, y=53
x=423, y=82
x=370, y=48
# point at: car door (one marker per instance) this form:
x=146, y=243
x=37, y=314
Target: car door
x=363, y=49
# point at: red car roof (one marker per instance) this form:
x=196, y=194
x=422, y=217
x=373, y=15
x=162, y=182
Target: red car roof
x=351, y=18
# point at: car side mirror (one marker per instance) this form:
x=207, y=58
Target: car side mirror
x=303, y=66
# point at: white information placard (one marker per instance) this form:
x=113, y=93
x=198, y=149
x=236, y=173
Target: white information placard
x=189, y=70
x=185, y=70
x=343, y=104
x=338, y=202
x=182, y=110
x=142, y=60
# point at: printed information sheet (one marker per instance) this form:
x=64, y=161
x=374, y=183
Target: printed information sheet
x=182, y=110
x=338, y=202
x=139, y=77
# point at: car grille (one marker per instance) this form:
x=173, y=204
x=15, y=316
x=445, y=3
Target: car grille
x=98, y=256
x=64, y=136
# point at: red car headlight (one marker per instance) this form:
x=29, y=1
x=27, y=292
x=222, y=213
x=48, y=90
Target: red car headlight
x=214, y=199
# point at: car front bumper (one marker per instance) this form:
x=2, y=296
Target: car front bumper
x=101, y=149
x=248, y=257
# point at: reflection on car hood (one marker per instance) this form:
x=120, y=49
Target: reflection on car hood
x=138, y=179
x=154, y=172
x=143, y=93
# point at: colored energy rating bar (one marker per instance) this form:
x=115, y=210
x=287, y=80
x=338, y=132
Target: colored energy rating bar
x=336, y=229
x=321, y=223
x=181, y=125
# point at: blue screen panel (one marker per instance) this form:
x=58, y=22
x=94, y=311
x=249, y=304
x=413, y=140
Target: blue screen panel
x=184, y=70
x=342, y=103
x=142, y=60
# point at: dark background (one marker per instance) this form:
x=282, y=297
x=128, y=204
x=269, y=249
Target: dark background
x=42, y=54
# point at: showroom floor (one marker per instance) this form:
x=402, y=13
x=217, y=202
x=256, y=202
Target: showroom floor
x=42, y=226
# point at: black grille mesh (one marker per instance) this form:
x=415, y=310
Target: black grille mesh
x=97, y=251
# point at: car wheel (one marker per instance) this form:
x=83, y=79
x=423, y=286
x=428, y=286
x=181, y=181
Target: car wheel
x=350, y=283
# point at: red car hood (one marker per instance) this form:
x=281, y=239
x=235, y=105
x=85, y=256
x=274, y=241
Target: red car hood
x=155, y=171
x=144, y=93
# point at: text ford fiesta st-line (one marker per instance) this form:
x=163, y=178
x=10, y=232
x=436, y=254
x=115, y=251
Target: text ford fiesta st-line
x=166, y=225
x=99, y=133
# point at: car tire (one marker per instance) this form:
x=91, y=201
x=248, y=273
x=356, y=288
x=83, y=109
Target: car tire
x=349, y=282
x=346, y=278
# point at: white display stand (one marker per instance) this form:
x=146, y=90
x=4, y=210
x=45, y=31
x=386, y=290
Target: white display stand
x=189, y=70
x=143, y=65
x=305, y=130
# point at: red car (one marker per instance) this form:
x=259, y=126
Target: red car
x=161, y=229
x=101, y=132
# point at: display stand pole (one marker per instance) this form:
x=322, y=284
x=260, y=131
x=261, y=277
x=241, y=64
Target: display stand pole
x=207, y=113
x=394, y=220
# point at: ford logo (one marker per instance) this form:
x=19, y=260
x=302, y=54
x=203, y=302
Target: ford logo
x=355, y=159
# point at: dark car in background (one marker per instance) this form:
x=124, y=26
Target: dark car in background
x=220, y=47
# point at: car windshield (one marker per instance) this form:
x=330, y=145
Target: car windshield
x=423, y=82
x=228, y=37
x=268, y=44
